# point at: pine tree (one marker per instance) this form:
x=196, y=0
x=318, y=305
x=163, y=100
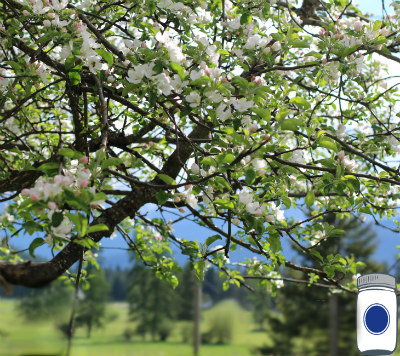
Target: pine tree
x=300, y=324
x=92, y=307
x=152, y=303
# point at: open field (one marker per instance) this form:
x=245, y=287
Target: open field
x=18, y=337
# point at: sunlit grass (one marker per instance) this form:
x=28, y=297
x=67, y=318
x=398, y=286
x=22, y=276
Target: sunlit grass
x=42, y=338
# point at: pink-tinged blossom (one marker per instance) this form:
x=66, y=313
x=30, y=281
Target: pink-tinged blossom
x=52, y=205
x=195, y=168
x=34, y=197
x=348, y=163
x=253, y=128
x=25, y=192
x=84, y=183
x=358, y=25
x=85, y=160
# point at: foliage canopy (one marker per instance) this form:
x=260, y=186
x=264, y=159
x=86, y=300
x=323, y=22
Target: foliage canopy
x=231, y=113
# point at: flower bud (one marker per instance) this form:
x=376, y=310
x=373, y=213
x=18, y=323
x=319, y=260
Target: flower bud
x=52, y=205
x=358, y=25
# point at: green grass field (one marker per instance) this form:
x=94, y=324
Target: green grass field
x=19, y=337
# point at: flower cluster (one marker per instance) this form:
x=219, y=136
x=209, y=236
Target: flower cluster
x=348, y=163
x=246, y=200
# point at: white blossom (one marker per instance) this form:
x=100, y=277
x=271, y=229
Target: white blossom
x=242, y=105
x=62, y=230
x=223, y=112
x=194, y=99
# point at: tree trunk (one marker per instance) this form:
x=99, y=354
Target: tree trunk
x=334, y=325
x=197, y=316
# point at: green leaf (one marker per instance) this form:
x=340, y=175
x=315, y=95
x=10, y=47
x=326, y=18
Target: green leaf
x=275, y=242
x=128, y=89
x=221, y=181
x=32, y=226
x=212, y=239
x=67, y=152
x=365, y=210
x=245, y=18
x=314, y=54
x=162, y=197
x=49, y=168
x=76, y=219
x=328, y=143
x=282, y=114
x=228, y=158
x=337, y=233
x=70, y=62
x=166, y=179
x=353, y=181
x=208, y=161
x=178, y=69
x=317, y=254
x=310, y=198
x=301, y=102
x=34, y=245
x=300, y=44
x=109, y=162
x=287, y=202
x=328, y=162
x=263, y=113
x=291, y=124
x=224, y=203
x=377, y=25
x=240, y=82
x=96, y=228
x=199, y=268
x=74, y=77
x=250, y=176
x=107, y=56
x=56, y=219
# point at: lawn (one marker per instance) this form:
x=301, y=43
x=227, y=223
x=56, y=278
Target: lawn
x=19, y=337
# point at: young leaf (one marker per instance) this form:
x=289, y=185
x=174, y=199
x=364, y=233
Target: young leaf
x=107, y=56
x=56, y=219
x=166, y=179
x=35, y=244
x=212, y=239
x=109, y=162
x=96, y=228
x=178, y=69
x=310, y=198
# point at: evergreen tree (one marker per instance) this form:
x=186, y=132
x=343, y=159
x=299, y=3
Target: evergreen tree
x=185, y=291
x=92, y=306
x=300, y=324
x=152, y=303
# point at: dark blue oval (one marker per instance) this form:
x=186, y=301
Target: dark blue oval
x=376, y=319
